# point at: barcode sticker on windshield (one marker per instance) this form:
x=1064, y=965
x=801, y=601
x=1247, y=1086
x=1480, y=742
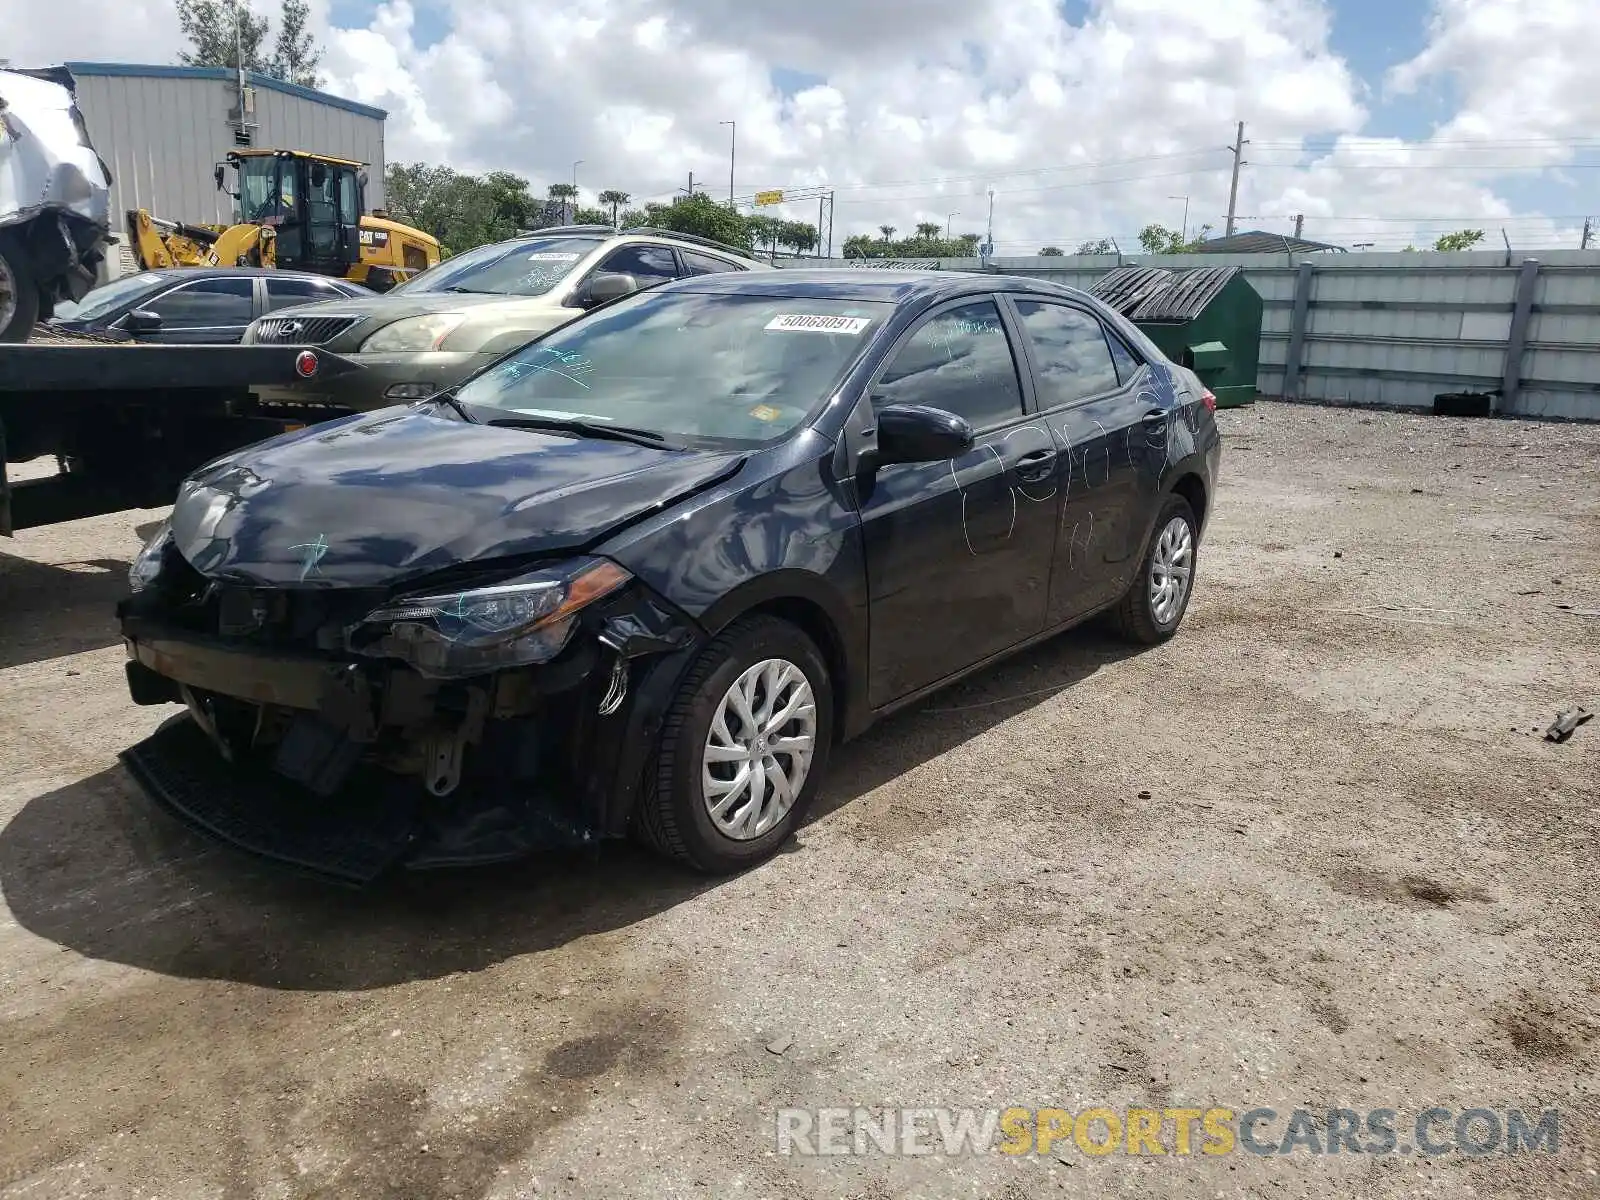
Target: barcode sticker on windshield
x=803, y=323
x=552, y=256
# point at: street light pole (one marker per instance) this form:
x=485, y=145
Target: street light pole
x=947, y=221
x=1183, y=234
x=573, y=199
x=733, y=146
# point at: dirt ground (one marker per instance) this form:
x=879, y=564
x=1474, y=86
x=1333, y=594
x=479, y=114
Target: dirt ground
x=1310, y=854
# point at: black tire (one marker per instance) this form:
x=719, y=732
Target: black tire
x=16, y=273
x=672, y=818
x=1134, y=616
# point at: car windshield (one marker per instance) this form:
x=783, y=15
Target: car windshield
x=108, y=297
x=696, y=368
x=527, y=267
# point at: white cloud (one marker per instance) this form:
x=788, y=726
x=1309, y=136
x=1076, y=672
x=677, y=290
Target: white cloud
x=1081, y=130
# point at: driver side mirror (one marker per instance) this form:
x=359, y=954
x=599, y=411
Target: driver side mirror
x=142, y=320
x=915, y=433
x=608, y=286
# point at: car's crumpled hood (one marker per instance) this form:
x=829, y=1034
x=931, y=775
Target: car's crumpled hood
x=46, y=162
x=378, y=499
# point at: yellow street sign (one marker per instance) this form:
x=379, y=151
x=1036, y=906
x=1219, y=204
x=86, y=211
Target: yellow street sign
x=772, y=197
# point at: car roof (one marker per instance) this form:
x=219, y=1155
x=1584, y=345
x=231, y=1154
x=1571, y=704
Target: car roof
x=645, y=233
x=891, y=285
x=233, y=272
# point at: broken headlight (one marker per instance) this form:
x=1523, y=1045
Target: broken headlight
x=519, y=623
x=147, y=565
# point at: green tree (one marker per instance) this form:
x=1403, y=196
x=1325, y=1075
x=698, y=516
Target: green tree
x=861, y=246
x=702, y=216
x=1050, y=252
x=615, y=199
x=514, y=205
x=223, y=33
x=764, y=230
x=887, y=231
x=1096, y=246
x=927, y=231
x=1158, y=239
x=295, y=56
x=226, y=33
x=633, y=218
x=592, y=216
x=460, y=210
x=799, y=236
x=1461, y=239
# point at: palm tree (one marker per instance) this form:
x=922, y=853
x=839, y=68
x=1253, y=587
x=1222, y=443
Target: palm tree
x=615, y=199
x=887, y=231
x=567, y=194
x=927, y=230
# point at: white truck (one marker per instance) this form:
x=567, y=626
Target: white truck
x=55, y=200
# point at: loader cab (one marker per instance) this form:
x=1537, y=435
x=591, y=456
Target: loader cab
x=312, y=204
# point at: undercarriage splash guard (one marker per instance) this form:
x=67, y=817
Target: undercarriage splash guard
x=377, y=824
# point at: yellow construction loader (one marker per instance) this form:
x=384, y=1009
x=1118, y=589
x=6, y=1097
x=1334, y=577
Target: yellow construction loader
x=299, y=211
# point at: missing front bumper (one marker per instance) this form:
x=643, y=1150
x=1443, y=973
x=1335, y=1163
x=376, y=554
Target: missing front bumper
x=376, y=824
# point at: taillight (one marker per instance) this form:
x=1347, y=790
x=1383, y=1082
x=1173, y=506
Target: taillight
x=1209, y=399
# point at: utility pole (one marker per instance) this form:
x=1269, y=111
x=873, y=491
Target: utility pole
x=1299, y=223
x=1239, y=143
x=989, y=244
x=733, y=145
x=1588, y=232
x=1183, y=233
x=689, y=191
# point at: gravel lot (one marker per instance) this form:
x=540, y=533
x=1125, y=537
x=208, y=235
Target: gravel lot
x=1312, y=853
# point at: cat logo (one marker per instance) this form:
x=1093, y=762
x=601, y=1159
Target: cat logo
x=376, y=238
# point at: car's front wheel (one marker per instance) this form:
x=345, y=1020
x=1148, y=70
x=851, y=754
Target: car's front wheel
x=1155, y=604
x=743, y=748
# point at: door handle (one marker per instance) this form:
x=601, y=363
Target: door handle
x=1156, y=416
x=1037, y=458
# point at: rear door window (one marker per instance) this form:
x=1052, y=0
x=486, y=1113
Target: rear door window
x=1070, y=352
x=706, y=264
x=283, y=293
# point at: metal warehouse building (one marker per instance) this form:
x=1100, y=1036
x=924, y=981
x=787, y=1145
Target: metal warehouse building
x=162, y=130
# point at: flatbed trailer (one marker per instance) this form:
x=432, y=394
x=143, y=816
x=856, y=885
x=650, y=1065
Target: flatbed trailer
x=127, y=421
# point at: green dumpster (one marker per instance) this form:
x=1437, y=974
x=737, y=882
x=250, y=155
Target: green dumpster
x=1207, y=318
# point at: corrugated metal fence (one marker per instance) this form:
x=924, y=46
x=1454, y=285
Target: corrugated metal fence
x=1398, y=329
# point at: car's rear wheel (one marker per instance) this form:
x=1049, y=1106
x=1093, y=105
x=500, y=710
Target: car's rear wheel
x=1154, y=605
x=19, y=294
x=743, y=748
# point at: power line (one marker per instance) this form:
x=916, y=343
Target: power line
x=1054, y=187
x=1320, y=217
x=1279, y=144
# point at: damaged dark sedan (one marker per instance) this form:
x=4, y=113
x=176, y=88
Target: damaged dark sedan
x=640, y=575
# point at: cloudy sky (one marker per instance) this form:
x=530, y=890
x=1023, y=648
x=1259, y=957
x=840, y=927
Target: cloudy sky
x=1383, y=121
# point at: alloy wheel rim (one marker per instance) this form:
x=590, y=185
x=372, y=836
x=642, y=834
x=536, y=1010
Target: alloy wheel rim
x=1171, y=569
x=758, y=751
x=8, y=294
